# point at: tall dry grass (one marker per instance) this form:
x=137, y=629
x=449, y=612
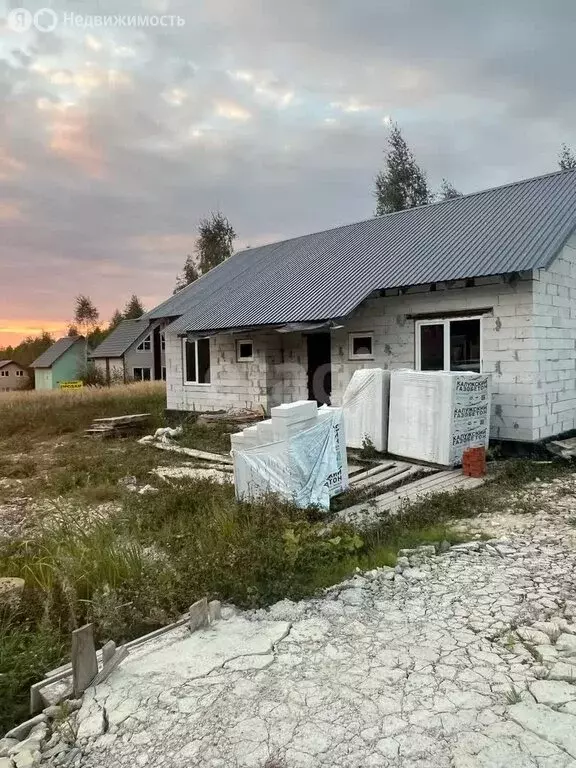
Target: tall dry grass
x=47, y=413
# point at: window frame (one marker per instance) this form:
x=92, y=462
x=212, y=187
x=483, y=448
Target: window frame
x=141, y=368
x=184, y=366
x=445, y=322
x=19, y=373
x=239, y=358
x=162, y=341
x=360, y=335
x=147, y=340
x=4, y=372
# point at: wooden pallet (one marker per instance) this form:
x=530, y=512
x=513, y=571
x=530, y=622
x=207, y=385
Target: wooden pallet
x=390, y=502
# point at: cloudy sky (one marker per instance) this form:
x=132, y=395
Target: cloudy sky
x=115, y=141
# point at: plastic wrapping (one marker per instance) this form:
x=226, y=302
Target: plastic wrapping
x=365, y=405
x=307, y=467
x=435, y=415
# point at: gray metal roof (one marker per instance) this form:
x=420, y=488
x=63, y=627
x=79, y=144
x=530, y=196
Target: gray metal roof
x=121, y=338
x=56, y=351
x=5, y=362
x=517, y=227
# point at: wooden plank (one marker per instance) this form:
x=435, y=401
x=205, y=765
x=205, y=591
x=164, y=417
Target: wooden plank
x=384, y=467
x=84, y=663
x=111, y=665
x=191, y=452
x=383, y=500
x=120, y=419
x=383, y=477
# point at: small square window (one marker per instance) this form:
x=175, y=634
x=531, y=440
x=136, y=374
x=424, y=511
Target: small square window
x=244, y=350
x=361, y=346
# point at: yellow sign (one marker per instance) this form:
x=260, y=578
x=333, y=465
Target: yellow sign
x=71, y=384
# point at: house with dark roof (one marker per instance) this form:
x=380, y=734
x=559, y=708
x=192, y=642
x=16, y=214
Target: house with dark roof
x=133, y=351
x=13, y=376
x=64, y=361
x=483, y=282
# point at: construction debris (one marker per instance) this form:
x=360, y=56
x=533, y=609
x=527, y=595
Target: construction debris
x=221, y=473
x=563, y=448
x=119, y=426
x=239, y=416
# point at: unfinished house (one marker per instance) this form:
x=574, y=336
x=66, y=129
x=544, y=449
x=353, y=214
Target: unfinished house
x=484, y=282
x=133, y=351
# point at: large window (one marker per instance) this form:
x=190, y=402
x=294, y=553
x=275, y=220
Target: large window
x=141, y=374
x=145, y=345
x=197, y=361
x=449, y=345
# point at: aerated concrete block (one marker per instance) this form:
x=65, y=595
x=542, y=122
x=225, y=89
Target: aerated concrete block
x=295, y=412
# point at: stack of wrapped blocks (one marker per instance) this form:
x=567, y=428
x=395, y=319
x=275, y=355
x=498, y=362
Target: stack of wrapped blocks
x=299, y=453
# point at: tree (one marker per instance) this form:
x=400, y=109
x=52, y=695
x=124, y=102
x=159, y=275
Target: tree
x=566, y=158
x=28, y=349
x=214, y=245
x=448, y=191
x=134, y=308
x=116, y=319
x=189, y=274
x=85, y=313
x=72, y=331
x=402, y=183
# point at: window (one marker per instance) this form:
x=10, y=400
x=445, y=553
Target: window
x=141, y=374
x=162, y=342
x=145, y=345
x=360, y=346
x=449, y=345
x=197, y=361
x=19, y=373
x=244, y=350
x=163, y=373
x=3, y=373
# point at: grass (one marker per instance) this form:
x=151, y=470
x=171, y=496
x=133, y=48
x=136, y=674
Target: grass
x=137, y=563
x=41, y=414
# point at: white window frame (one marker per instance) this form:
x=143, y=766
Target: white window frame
x=359, y=335
x=19, y=373
x=240, y=359
x=142, y=348
x=184, y=366
x=4, y=373
x=445, y=321
x=141, y=368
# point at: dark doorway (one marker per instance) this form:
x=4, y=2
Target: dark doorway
x=319, y=368
x=157, y=351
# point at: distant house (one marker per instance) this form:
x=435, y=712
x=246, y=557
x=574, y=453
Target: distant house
x=484, y=282
x=13, y=376
x=65, y=360
x=134, y=350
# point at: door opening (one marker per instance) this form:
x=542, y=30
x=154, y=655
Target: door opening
x=319, y=367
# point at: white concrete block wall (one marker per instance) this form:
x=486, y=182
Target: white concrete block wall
x=508, y=344
x=555, y=344
x=276, y=374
